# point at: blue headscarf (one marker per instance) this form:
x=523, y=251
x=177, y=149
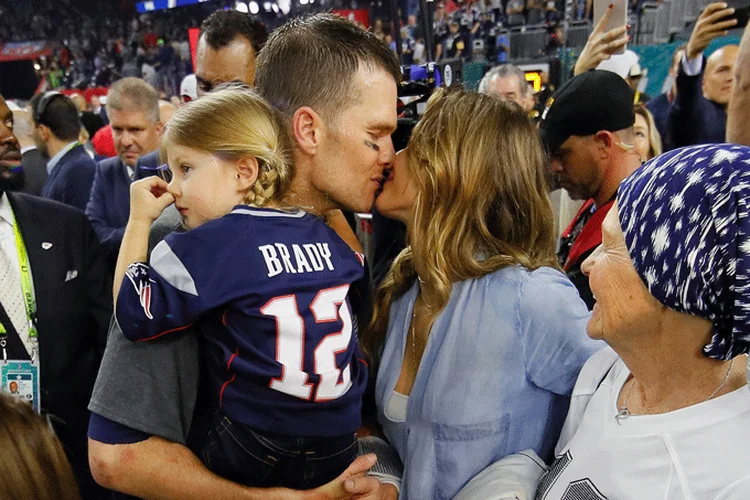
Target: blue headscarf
x=687, y=227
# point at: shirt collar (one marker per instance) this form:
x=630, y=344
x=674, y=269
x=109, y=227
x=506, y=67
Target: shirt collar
x=6, y=211
x=26, y=149
x=52, y=163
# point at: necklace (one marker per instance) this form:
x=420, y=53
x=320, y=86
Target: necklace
x=625, y=413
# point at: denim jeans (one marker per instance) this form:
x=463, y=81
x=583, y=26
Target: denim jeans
x=247, y=456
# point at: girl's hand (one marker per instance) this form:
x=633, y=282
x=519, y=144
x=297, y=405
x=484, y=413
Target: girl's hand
x=148, y=199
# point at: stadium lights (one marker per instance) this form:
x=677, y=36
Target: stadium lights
x=254, y=7
x=285, y=6
x=303, y=2
x=275, y=8
x=267, y=6
x=241, y=7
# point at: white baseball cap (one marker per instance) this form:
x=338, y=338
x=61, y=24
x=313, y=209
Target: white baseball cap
x=189, y=87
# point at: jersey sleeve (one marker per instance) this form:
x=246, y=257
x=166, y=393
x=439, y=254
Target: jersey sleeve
x=552, y=324
x=170, y=292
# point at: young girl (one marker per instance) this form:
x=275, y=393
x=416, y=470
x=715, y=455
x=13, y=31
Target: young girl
x=266, y=287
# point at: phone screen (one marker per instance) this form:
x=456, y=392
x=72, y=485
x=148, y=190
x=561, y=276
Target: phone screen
x=618, y=18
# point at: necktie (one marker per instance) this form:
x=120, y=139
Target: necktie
x=11, y=298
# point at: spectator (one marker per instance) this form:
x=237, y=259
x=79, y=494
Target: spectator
x=228, y=36
x=739, y=105
x=34, y=166
x=56, y=130
x=647, y=141
x=188, y=89
x=54, y=309
x=455, y=44
x=588, y=130
x=33, y=463
x=661, y=105
x=601, y=45
x=166, y=110
x=514, y=11
x=104, y=144
x=534, y=12
x=698, y=114
x=136, y=130
x=508, y=82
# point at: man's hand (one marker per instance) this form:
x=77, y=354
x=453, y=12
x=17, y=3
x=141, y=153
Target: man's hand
x=148, y=199
x=352, y=483
x=712, y=23
x=600, y=46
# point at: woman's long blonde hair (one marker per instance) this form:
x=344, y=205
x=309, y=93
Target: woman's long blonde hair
x=482, y=203
x=233, y=122
x=32, y=462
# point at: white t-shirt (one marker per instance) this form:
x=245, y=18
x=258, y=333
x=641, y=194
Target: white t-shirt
x=698, y=453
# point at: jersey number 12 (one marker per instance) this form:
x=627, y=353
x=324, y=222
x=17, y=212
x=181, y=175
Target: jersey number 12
x=328, y=306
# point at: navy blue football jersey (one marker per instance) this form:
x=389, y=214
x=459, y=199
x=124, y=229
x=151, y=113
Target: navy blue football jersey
x=268, y=291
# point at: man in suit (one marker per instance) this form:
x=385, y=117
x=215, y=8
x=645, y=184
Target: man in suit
x=34, y=166
x=698, y=113
x=71, y=304
x=69, y=167
x=133, y=108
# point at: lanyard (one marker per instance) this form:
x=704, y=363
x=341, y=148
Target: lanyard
x=26, y=288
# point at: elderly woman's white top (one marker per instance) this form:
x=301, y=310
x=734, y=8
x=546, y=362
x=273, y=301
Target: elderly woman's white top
x=700, y=452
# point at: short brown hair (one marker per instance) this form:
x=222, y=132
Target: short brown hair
x=32, y=464
x=132, y=93
x=311, y=61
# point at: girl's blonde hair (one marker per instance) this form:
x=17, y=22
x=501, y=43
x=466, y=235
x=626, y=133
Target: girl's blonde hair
x=32, y=463
x=234, y=122
x=482, y=203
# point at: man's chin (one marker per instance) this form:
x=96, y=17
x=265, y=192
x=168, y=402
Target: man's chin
x=11, y=180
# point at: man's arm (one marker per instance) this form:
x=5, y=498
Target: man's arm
x=98, y=284
x=738, y=111
x=156, y=469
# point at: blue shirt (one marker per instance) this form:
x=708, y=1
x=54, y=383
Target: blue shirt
x=495, y=378
x=268, y=290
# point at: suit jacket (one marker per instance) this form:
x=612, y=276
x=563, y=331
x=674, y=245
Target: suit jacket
x=71, y=179
x=660, y=108
x=146, y=165
x=694, y=119
x=35, y=171
x=73, y=291
x=109, y=206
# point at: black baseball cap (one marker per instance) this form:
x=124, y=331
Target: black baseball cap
x=592, y=101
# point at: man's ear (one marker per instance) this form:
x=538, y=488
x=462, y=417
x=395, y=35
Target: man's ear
x=44, y=132
x=159, y=128
x=307, y=129
x=605, y=141
x=246, y=172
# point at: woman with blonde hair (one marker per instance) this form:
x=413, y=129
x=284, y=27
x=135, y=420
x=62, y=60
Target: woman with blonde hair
x=647, y=140
x=32, y=462
x=265, y=284
x=477, y=335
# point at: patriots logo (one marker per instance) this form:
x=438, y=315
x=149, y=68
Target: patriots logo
x=137, y=273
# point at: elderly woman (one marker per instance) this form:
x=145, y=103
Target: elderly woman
x=477, y=335
x=665, y=413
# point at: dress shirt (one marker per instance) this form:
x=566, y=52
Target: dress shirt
x=52, y=163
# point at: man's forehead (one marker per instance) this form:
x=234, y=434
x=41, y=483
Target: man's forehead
x=227, y=64
x=4, y=109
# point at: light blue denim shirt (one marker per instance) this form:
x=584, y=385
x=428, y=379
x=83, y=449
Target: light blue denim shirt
x=495, y=377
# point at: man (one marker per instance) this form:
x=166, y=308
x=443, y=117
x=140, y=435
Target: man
x=134, y=116
x=699, y=112
x=69, y=167
x=228, y=44
x=588, y=130
x=91, y=122
x=661, y=105
x=341, y=127
x=34, y=166
x=166, y=110
x=227, y=47
x=508, y=82
x=188, y=89
x=68, y=302
x=738, y=112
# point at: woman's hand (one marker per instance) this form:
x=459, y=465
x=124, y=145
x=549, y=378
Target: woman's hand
x=600, y=46
x=351, y=484
x=148, y=199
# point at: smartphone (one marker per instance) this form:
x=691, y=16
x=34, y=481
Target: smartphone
x=741, y=14
x=618, y=18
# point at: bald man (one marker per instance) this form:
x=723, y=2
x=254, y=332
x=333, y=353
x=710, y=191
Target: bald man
x=738, y=111
x=703, y=89
x=166, y=110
